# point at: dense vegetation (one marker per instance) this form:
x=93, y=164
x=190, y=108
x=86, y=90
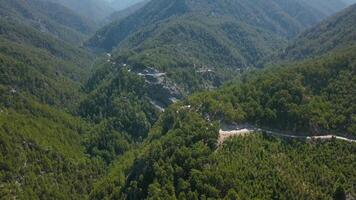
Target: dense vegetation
x=123, y=100
x=39, y=65
x=72, y=131
x=206, y=42
x=159, y=12
x=41, y=152
x=327, y=36
x=315, y=96
x=48, y=17
x=122, y=13
x=180, y=160
x=42, y=148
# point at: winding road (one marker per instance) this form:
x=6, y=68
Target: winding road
x=242, y=130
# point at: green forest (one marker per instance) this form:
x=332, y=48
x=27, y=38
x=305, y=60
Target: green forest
x=98, y=103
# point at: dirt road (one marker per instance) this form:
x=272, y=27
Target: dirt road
x=228, y=131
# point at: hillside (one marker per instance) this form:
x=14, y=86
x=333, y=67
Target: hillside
x=121, y=98
x=121, y=14
x=123, y=4
x=332, y=34
x=123, y=124
x=45, y=152
x=313, y=97
x=48, y=18
x=327, y=7
x=36, y=64
x=182, y=159
x=204, y=43
x=94, y=10
x=159, y=12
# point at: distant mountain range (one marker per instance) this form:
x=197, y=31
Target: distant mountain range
x=93, y=10
x=201, y=43
x=329, y=35
x=123, y=4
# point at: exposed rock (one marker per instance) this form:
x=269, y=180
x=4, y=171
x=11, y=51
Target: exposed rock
x=162, y=91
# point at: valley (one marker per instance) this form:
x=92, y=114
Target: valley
x=177, y=99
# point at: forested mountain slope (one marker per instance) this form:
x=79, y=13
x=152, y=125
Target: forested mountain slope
x=327, y=7
x=181, y=159
x=310, y=97
x=49, y=18
x=45, y=152
x=67, y=132
x=158, y=12
x=121, y=98
x=42, y=155
x=39, y=65
x=123, y=4
x=94, y=10
x=121, y=14
x=199, y=44
x=335, y=33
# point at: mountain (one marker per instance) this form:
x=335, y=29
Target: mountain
x=41, y=154
x=76, y=124
x=118, y=15
x=37, y=64
x=349, y=2
x=335, y=33
x=162, y=12
x=181, y=158
x=48, y=17
x=46, y=152
x=123, y=4
x=121, y=98
x=310, y=97
x=194, y=45
x=94, y=10
x=327, y=7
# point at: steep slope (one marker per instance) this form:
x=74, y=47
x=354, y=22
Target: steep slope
x=123, y=4
x=94, y=10
x=181, y=160
x=41, y=151
x=195, y=45
x=48, y=17
x=120, y=97
x=327, y=7
x=311, y=97
x=335, y=33
x=121, y=14
x=45, y=153
x=36, y=64
x=272, y=15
